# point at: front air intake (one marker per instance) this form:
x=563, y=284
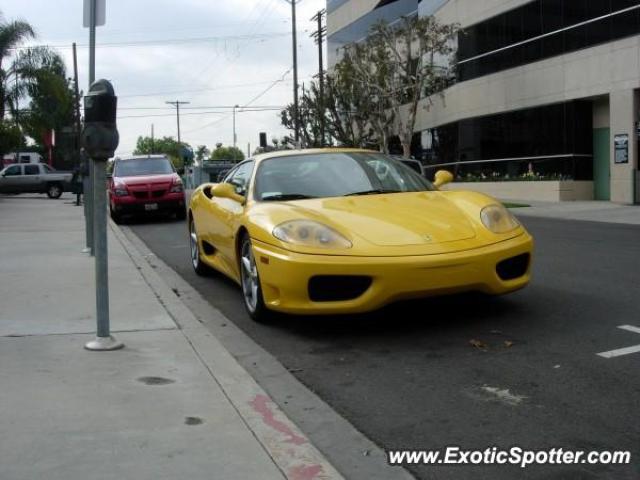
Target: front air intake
x=513, y=267
x=337, y=288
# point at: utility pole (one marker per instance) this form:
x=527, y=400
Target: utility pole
x=296, y=111
x=177, y=104
x=235, y=137
x=319, y=37
x=77, y=115
x=153, y=140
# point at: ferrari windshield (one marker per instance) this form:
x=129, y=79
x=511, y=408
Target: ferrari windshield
x=334, y=174
x=142, y=166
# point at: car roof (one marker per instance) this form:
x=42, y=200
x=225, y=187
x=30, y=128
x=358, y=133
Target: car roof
x=309, y=151
x=140, y=157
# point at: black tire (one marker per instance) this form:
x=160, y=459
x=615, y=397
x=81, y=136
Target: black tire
x=249, y=277
x=199, y=267
x=54, y=190
x=115, y=216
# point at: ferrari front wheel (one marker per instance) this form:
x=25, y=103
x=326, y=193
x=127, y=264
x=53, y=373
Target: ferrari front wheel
x=199, y=267
x=251, y=289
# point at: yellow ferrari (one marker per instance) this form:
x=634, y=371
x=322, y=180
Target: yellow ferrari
x=343, y=231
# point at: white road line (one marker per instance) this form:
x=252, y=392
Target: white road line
x=622, y=351
x=619, y=352
x=630, y=328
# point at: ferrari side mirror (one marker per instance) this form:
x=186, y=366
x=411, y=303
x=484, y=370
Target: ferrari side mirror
x=442, y=178
x=226, y=190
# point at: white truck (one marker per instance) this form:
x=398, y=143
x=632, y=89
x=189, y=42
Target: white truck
x=21, y=157
x=34, y=178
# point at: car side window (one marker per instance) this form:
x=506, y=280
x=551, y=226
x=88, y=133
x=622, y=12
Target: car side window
x=31, y=170
x=47, y=168
x=240, y=178
x=227, y=176
x=13, y=171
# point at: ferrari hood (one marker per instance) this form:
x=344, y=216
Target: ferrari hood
x=391, y=220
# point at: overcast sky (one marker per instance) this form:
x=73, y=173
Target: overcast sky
x=243, y=48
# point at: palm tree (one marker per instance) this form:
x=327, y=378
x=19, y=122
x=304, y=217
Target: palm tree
x=12, y=34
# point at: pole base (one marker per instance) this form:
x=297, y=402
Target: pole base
x=103, y=344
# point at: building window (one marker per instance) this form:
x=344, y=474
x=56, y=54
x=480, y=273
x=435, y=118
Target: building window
x=542, y=29
x=551, y=140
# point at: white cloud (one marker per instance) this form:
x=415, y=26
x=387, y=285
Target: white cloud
x=222, y=72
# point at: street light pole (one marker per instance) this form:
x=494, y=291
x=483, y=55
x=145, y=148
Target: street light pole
x=235, y=138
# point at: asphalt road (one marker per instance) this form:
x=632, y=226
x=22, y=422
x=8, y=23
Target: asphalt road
x=519, y=370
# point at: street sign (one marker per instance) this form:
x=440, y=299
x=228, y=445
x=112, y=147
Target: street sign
x=101, y=10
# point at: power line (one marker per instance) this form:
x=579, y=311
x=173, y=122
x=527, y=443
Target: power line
x=176, y=41
x=210, y=112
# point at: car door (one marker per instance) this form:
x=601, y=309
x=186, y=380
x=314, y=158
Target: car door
x=224, y=216
x=32, y=181
x=10, y=181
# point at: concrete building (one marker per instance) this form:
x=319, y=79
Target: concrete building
x=549, y=86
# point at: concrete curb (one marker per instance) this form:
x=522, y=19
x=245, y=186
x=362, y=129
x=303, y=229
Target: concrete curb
x=289, y=448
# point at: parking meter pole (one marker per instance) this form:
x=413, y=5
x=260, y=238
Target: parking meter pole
x=88, y=198
x=104, y=340
x=100, y=139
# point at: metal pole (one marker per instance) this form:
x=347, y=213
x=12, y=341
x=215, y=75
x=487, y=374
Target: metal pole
x=17, y=118
x=235, y=137
x=177, y=104
x=178, y=117
x=153, y=140
x=77, y=115
x=104, y=340
x=89, y=196
x=319, y=34
x=295, y=72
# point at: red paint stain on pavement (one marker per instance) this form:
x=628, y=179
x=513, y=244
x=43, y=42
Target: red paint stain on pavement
x=304, y=472
x=260, y=405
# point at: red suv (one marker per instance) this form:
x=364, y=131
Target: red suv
x=145, y=184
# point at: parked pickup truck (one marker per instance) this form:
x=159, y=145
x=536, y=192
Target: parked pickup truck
x=34, y=178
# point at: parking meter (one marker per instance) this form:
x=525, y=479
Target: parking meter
x=100, y=139
x=100, y=135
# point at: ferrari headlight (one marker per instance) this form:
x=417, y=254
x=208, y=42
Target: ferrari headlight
x=498, y=219
x=310, y=234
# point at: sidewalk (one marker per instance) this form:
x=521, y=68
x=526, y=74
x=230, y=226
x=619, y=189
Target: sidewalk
x=172, y=404
x=592, y=211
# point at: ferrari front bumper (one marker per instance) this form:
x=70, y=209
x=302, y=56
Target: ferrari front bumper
x=285, y=275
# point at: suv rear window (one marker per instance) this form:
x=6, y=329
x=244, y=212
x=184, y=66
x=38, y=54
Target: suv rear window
x=142, y=166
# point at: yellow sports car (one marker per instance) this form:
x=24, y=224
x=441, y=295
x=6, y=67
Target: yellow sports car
x=343, y=231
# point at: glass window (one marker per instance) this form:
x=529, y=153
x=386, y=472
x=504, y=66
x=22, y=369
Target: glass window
x=142, y=166
x=334, y=175
x=241, y=176
x=31, y=170
x=541, y=17
x=47, y=168
x=13, y=170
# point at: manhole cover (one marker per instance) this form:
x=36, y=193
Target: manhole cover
x=155, y=380
x=193, y=421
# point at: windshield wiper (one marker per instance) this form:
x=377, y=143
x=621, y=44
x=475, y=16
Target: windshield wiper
x=287, y=196
x=372, y=192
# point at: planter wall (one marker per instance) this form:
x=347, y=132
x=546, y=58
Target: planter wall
x=552, y=190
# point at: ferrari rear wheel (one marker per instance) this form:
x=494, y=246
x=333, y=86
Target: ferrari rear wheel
x=199, y=267
x=251, y=289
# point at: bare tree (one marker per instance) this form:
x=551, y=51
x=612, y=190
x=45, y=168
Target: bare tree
x=399, y=65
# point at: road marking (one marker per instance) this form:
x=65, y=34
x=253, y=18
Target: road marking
x=504, y=395
x=630, y=328
x=622, y=351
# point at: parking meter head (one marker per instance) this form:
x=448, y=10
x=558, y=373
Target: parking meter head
x=100, y=135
